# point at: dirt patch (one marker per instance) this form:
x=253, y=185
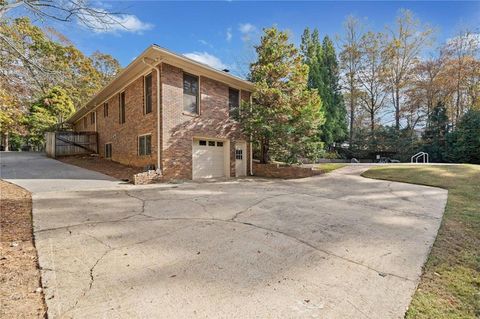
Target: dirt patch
x=104, y=166
x=20, y=292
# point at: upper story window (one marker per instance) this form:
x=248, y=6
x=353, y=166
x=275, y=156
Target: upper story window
x=105, y=109
x=148, y=93
x=92, y=118
x=190, y=93
x=233, y=101
x=121, y=108
x=85, y=122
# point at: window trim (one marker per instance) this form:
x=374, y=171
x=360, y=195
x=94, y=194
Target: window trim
x=111, y=150
x=138, y=144
x=145, y=93
x=122, y=108
x=239, y=100
x=105, y=109
x=199, y=93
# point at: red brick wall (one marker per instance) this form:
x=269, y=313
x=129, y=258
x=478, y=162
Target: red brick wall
x=124, y=137
x=80, y=125
x=286, y=172
x=180, y=128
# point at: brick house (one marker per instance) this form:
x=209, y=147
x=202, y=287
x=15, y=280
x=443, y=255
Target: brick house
x=173, y=114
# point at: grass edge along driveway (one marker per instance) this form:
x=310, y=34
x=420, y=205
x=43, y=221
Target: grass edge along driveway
x=450, y=284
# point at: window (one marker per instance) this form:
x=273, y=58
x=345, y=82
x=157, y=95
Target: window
x=211, y=143
x=190, y=93
x=148, y=94
x=108, y=150
x=145, y=145
x=121, y=104
x=239, y=154
x=202, y=142
x=233, y=102
x=105, y=109
x=220, y=144
x=92, y=118
x=85, y=122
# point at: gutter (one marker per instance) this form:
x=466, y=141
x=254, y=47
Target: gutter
x=157, y=71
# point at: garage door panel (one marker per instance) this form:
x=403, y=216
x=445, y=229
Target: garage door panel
x=208, y=160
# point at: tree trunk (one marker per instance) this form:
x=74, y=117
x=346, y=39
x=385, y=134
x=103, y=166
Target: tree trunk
x=372, y=123
x=352, y=115
x=397, y=109
x=265, y=151
x=7, y=148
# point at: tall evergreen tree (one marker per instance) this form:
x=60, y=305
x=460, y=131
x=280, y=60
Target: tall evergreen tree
x=324, y=76
x=435, y=133
x=335, y=127
x=285, y=114
x=463, y=144
x=311, y=49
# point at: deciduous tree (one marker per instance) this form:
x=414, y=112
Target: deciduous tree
x=48, y=113
x=405, y=43
x=350, y=57
x=371, y=75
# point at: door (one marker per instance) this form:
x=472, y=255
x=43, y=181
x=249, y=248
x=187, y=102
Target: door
x=208, y=158
x=240, y=159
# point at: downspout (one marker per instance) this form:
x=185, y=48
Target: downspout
x=251, y=144
x=159, y=145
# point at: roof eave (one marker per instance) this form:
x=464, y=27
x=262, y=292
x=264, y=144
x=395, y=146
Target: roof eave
x=159, y=54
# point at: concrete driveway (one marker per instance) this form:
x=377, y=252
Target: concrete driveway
x=333, y=246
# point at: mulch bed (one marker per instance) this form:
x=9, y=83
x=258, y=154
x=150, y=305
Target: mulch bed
x=20, y=285
x=101, y=165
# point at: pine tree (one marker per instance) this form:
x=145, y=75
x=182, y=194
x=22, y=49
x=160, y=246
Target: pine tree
x=285, y=114
x=324, y=76
x=335, y=127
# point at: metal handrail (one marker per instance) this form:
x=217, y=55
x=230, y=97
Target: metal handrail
x=425, y=157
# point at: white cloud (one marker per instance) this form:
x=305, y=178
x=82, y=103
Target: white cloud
x=246, y=29
x=114, y=23
x=206, y=43
x=208, y=59
x=229, y=34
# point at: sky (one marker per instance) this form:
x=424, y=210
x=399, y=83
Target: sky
x=222, y=33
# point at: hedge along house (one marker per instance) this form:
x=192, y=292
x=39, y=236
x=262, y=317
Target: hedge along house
x=173, y=114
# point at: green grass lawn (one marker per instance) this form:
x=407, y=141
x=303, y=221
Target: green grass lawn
x=328, y=167
x=450, y=284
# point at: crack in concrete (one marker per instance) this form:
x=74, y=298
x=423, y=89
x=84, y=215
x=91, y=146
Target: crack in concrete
x=401, y=212
x=233, y=219
x=143, y=201
x=358, y=309
x=237, y=214
x=404, y=198
x=90, y=284
x=282, y=233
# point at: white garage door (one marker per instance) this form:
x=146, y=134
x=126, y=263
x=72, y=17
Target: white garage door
x=208, y=159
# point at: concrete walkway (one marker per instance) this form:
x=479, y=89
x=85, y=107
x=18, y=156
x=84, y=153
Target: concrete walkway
x=38, y=173
x=332, y=246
